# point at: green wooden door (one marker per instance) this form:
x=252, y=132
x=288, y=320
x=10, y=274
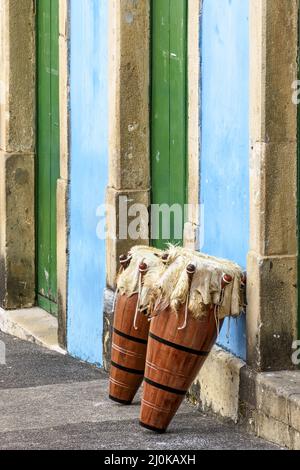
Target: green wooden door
x=47, y=151
x=169, y=109
x=298, y=177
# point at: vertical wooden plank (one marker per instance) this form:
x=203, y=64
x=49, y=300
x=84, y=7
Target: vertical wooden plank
x=178, y=105
x=160, y=118
x=169, y=102
x=47, y=151
x=43, y=144
x=55, y=145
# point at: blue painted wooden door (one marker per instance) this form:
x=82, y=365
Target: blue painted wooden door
x=89, y=169
x=225, y=139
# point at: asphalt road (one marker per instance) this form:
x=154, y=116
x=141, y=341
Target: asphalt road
x=50, y=401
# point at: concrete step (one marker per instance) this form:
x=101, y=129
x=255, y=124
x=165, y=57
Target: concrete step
x=32, y=324
x=270, y=402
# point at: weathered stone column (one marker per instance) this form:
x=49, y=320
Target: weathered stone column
x=129, y=161
x=192, y=226
x=272, y=263
x=63, y=181
x=17, y=146
x=129, y=135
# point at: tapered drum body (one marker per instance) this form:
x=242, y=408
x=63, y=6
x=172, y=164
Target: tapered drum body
x=174, y=357
x=129, y=346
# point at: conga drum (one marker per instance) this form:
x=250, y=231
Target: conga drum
x=177, y=349
x=129, y=338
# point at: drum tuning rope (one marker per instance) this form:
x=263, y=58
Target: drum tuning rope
x=226, y=280
x=143, y=268
x=191, y=269
x=124, y=263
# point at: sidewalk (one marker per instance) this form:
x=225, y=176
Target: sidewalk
x=51, y=401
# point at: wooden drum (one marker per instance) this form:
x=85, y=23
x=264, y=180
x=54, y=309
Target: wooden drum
x=177, y=349
x=129, y=346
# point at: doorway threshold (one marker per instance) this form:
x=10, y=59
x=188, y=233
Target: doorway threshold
x=32, y=324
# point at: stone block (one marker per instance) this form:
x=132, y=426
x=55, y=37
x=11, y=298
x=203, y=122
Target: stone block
x=271, y=311
x=17, y=266
x=273, y=65
x=217, y=386
x=273, y=430
x=17, y=80
x=273, y=199
x=129, y=137
x=62, y=258
x=119, y=240
x=108, y=314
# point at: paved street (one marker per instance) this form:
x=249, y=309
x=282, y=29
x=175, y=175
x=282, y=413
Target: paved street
x=50, y=401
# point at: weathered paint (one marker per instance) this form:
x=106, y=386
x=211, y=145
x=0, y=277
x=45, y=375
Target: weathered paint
x=89, y=162
x=225, y=140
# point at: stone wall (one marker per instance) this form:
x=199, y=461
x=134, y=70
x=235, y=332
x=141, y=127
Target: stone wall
x=272, y=263
x=17, y=147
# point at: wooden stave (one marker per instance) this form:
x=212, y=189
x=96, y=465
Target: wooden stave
x=165, y=326
x=127, y=353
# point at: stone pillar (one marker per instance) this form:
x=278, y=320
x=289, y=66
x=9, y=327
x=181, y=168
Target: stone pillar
x=272, y=262
x=129, y=136
x=129, y=160
x=192, y=226
x=63, y=181
x=17, y=146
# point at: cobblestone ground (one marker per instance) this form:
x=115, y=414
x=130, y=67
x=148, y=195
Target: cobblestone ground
x=50, y=401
